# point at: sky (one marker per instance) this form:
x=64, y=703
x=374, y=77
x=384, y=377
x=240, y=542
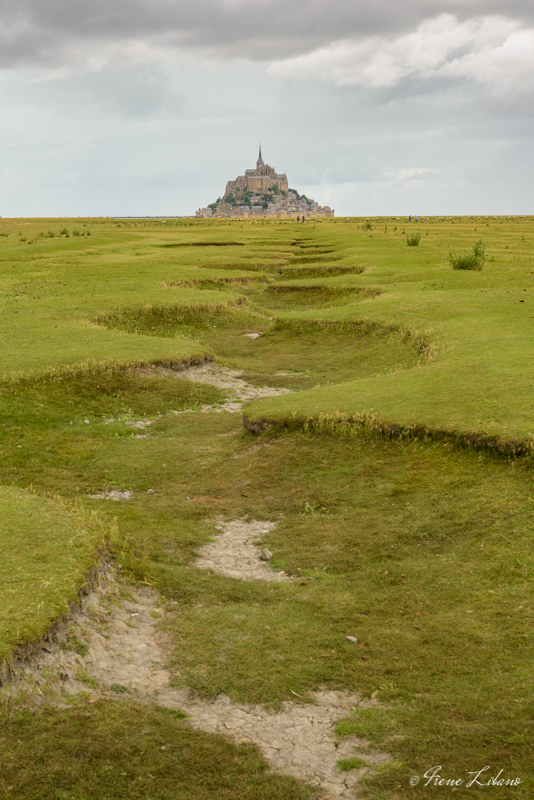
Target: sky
x=148, y=107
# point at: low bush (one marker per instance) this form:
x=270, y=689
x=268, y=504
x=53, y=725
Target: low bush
x=413, y=239
x=472, y=259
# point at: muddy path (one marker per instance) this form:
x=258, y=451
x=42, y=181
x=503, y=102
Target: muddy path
x=238, y=390
x=112, y=646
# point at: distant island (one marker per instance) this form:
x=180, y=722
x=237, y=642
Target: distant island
x=263, y=192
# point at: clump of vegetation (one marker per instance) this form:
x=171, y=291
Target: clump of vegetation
x=74, y=644
x=300, y=196
x=367, y=226
x=348, y=764
x=472, y=259
x=119, y=688
x=83, y=676
x=413, y=239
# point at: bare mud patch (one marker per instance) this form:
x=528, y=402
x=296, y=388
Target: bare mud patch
x=113, y=494
x=112, y=648
x=237, y=553
x=230, y=380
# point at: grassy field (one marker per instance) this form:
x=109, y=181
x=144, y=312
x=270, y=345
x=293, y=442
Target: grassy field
x=399, y=470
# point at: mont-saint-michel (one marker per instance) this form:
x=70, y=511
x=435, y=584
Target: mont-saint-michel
x=263, y=192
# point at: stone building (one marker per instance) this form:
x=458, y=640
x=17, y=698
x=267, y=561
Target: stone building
x=258, y=181
x=263, y=192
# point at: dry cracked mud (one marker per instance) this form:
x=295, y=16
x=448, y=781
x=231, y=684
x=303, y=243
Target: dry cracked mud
x=112, y=646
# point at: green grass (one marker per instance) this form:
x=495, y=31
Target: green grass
x=47, y=550
x=292, y=295
x=347, y=764
x=479, y=323
x=421, y=549
x=115, y=750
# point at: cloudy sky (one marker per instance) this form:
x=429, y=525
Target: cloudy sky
x=124, y=107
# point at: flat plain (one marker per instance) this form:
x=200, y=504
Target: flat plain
x=396, y=475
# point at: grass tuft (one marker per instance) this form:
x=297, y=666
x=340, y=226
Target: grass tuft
x=348, y=764
x=469, y=260
x=413, y=239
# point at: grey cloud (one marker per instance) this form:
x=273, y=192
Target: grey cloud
x=52, y=31
x=97, y=145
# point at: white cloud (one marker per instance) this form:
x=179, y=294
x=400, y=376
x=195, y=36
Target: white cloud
x=410, y=174
x=489, y=50
x=506, y=69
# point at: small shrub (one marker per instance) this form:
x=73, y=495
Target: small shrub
x=348, y=764
x=367, y=226
x=479, y=249
x=413, y=239
x=469, y=260
x=464, y=261
x=119, y=688
x=64, y=232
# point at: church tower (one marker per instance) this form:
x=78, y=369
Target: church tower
x=259, y=162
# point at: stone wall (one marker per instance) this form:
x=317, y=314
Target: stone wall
x=257, y=184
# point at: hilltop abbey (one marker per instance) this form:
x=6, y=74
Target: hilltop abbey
x=263, y=192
